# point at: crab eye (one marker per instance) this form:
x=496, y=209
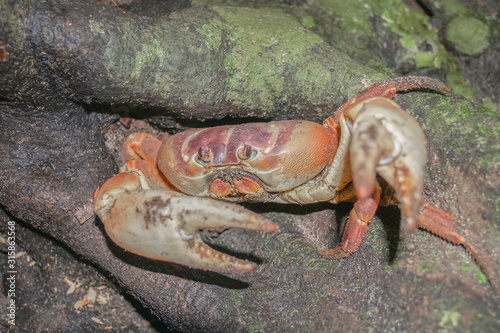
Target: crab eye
x=205, y=155
x=246, y=152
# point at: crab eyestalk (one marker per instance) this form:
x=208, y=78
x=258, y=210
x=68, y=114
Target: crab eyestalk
x=164, y=225
x=388, y=141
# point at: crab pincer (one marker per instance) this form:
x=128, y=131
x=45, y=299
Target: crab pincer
x=164, y=225
x=388, y=141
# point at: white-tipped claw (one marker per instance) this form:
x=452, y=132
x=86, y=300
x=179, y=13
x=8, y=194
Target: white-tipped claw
x=164, y=225
x=388, y=141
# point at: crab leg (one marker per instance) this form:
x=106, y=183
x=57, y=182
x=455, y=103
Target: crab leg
x=388, y=89
x=139, y=152
x=442, y=224
x=355, y=228
x=388, y=141
x=164, y=225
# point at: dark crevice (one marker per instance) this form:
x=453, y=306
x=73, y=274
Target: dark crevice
x=425, y=7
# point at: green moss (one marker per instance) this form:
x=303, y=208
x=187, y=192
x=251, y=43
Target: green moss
x=213, y=32
x=457, y=82
x=449, y=319
x=265, y=45
x=414, y=30
x=96, y=27
x=468, y=34
x=425, y=266
x=454, y=8
x=469, y=30
x=427, y=59
x=471, y=136
x=476, y=135
x=164, y=57
x=496, y=201
x=14, y=37
x=412, y=27
x=376, y=238
x=455, y=314
x=133, y=54
x=467, y=265
x=151, y=52
x=417, y=36
x=308, y=21
x=489, y=104
x=481, y=278
x=353, y=15
x=8, y=20
x=393, y=267
x=438, y=287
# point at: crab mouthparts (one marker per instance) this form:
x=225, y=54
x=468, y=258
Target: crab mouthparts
x=232, y=189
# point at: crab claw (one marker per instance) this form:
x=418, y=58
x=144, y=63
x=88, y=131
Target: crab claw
x=164, y=225
x=388, y=141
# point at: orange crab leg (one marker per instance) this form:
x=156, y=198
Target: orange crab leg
x=388, y=89
x=141, y=146
x=355, y=228
x=140, y=152
x=442, y=224
x=432, y=219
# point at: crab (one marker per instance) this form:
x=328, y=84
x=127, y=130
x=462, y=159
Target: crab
x=370, y=152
